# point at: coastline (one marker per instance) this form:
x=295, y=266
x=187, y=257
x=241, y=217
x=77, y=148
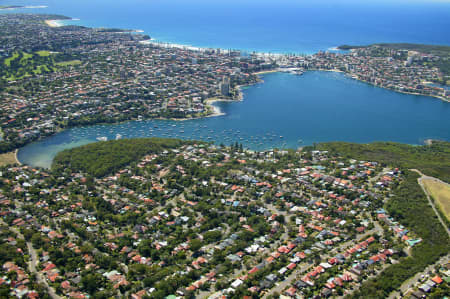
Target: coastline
x=57, y=23
x=387, y=88
x=209, y=103
x=16, y=152
x=54, y=23
x=266, y=72
x=401, y=91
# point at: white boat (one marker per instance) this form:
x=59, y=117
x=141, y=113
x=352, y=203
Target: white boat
x=103, y=138
x=118, y=136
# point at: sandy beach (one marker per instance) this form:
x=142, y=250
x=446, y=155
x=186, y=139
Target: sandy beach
x=172, y=45
x=216, y=110
x=266, y=72
x=53, y=23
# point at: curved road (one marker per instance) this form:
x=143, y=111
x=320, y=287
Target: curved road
x=419, y=180
x=406, y=285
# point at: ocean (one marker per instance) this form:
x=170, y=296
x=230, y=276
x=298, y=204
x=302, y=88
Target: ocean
x=278, y=26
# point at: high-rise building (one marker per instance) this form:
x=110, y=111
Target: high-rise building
x=225, y=86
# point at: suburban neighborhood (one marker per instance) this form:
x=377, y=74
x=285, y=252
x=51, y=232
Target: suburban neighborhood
x=202, y=221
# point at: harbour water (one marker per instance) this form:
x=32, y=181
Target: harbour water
x=286, y=111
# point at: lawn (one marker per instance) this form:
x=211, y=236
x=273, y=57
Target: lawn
x=26, y=56
x=440, y=193
x=67, y=63
x=7, y=158
x=43, y=53
x=9, y=59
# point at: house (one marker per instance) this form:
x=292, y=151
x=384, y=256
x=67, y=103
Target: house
x=291, y=291
x=291, y=266
x=437, y=279
x=282, y=270
x=235, y=284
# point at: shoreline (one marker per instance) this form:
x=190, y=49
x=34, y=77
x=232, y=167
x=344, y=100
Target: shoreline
x=266, y=72
x=209, y=103
x=57, y=23
x=157, y=43
x=54, y=23
x=16, y=152
x=401, y=91
x=387, y=88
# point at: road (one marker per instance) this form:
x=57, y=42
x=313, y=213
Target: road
x=413, y=280
x=419, y=180
x=33, y=262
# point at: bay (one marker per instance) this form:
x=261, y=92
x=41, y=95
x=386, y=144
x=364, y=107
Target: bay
x=286, y=111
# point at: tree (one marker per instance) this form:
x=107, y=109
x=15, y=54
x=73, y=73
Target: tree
x=92, y=282
x=195, y=244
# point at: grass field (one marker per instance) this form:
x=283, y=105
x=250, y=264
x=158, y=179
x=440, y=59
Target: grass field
x=8, y=60
x=67, y=63
x=43, y=53
x=26, y=56
x=441, y=194
x=22, y=64
x=7, y=158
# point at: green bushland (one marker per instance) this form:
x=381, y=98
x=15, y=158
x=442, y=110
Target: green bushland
x=410, y=207
x=431, y=49
x=103, y=158
x=432, y=160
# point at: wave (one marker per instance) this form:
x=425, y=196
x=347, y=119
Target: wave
x=35, y=6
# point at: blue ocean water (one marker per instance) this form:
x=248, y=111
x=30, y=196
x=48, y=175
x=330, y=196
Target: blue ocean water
x=288, y=26
x=286, y=111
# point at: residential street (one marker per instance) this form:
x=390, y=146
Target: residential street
x=413, y=280
x=33, y=262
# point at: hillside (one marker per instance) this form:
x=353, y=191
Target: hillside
x=432, y=160
x=102, y=158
